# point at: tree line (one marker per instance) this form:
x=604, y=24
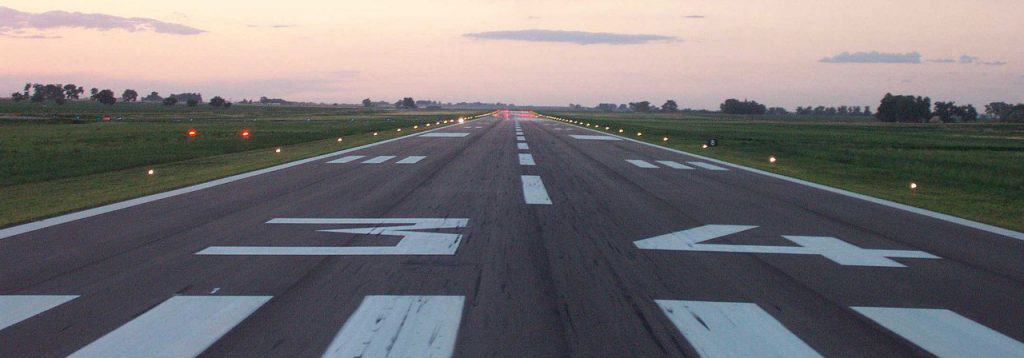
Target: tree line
x=62, y=93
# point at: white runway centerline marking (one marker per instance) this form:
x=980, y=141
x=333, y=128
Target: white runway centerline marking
x=400, y=326
x=943, y=332
x=346, y=159
x=641, y=163
x=534, y=192
x=378, y=160
x=520, y=138
x=673, y=165
x=733, y=329
x=412, y=159
x=706, y=166
x=526, y=159
x=17, y=308
x=593, y=137
x=182, y=326
x=523, y=146
x=444, y=135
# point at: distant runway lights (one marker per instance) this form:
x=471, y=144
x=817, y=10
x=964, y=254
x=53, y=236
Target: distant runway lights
x=399, y=129
x=278, y=150
x=664, y=139
x=461, y=120
x=374, y=134
x=703, y=146
x=606, y=128
x=245, y=134
x=339, y=139
x=913, y=186
x=428, y=124
x=192, y=133
x=772, y=159
x=639, y=134
x=150, y=172
x=415, y=127
x=620, y=130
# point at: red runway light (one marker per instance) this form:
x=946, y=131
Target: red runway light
x=245, y=133
x=192, y=132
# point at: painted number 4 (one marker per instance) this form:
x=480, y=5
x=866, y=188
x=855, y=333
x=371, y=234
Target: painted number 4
x=838, y=251
x=414, y=240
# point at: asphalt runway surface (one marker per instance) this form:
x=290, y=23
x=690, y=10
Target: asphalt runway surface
x=509, y=235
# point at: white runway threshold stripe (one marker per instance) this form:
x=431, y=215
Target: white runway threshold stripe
x=943, y=332
x=673, y=165
x=444, y=135
x=378, y=159
x=733, y=329
x=520, y=138
x=523, y=146
x=346, y=159
x=526, y=159
x=706, y=166
x=183, y=326
x=400, y=326
x=412, y=159
x=593, y=137
x=641, y=163
x=534, y=192
x=17, y=308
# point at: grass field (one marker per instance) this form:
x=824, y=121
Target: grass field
x=50, y=166
x=975, y=171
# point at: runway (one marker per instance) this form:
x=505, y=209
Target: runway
x=510, y=235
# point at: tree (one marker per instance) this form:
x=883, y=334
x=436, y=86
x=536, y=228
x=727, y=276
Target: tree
x=999, y=110
x=367, y=103
x=153, y=97
x=106, y=97
x=623, y=107
x=777, y=111
x=93, y=92
x=670, y=106
x=902, y=108
x=734, y=106
x=192, y=102
x=170, y=101
x=129, y=95
x=50, y=92
x=217, y=101
x=408, y=103
x=72, y=92
x=18, y=97
x=643, y=106
x=606, y=107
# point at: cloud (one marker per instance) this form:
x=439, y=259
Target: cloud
x=576, y=37
x=992, y=63
x=14, y=23
x=874, y=57
x=967, y=60
x=942, y=60
x=694, y=16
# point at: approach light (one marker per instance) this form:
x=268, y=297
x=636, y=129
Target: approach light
x=415, y=127
x=772, y=159
x=339, y=139
x=913, y=186
x=192, y=132
x=399, y=129
x=461, y=120
x=639, y=134
x=150, y=172
x=620, y=130
x=245, y=134
x=704, y=146
x=664, y=139
x=375, y=134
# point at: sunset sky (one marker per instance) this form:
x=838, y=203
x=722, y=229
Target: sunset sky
x=784, y=53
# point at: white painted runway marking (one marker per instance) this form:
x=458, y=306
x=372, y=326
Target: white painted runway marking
x=673, y=165
x=641, y=163
x=534, y=192
x=520, y=138
x=523, y=146
x=444, y=135
x=593, y=137
x=379, y=159
x=840, y=252
x=733, y=329
x=943, y=332
x=412, y=159
x=400, y=326
x=526, y=159
x=707, y=166
x=182, y=326
x=412, y=242
x=346, y=159
x=17, y=308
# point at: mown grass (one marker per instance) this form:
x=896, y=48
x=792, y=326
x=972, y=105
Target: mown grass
x=49, y=167
x=975, y=171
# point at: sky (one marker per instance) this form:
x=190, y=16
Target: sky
x=528, y=52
